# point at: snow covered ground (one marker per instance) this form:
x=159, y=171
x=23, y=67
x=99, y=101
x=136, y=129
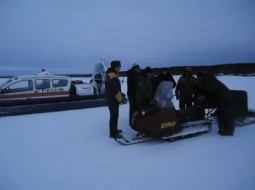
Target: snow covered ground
x=71, y=151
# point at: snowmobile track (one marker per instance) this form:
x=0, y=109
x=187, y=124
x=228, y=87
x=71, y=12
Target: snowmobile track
x=199, y=128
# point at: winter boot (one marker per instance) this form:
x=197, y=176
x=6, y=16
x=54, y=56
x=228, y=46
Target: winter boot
x=226, y=133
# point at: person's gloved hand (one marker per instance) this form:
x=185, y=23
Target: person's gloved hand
x=177, y=96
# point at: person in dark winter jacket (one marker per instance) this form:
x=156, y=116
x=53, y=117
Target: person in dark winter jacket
x=144, y=90
x=184, y=89
x=222, y=98
x=153, y=80
x=113, y=97
x=131, y=90
x=165, y=76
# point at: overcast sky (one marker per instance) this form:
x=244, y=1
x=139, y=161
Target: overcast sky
x=69, y=36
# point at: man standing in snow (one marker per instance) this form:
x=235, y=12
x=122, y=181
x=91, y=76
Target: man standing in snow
x=131, y=89
x=218, y=93
x=113, y=97
x=184, y=89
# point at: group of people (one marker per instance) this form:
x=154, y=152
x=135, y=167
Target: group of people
x=142, y=85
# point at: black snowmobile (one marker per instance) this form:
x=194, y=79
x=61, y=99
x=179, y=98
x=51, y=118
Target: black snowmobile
x=161, y=121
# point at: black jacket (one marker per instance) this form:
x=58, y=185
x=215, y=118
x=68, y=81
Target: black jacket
x=167, y=77
x=144, y=89
x=153, y=80
x=112, y=87
x=131, y=82
x=98, y=76
x=216, y=91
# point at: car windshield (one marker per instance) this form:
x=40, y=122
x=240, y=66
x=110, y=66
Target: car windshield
x=5, y=83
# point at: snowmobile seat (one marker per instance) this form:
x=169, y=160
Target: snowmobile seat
x=190, y=114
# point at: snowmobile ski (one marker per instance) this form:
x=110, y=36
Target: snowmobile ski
x=191, y=129
x=124, y=141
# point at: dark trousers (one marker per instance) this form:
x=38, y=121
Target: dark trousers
x=114, y=116
x=132, y=107
x=185, y=102
x=226, y=120
x=99, y=84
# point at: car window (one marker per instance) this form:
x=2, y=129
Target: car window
x=59, y=83
x=42, y=84
x=20, y=86
x=5, y=83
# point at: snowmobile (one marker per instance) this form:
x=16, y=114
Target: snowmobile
x=161, y=121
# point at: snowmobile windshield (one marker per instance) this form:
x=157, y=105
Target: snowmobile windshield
x=5, y=83
x=164, y=94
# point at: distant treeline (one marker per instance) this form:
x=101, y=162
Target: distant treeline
x=225, y=69
x=243, y=69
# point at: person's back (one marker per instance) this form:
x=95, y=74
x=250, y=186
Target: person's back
x=153, y=80
x=98, y=77
x=184, y=89
x=131, y=90
x=144, y=90
x=218, y=91
x=222, y=97
x=131, y=79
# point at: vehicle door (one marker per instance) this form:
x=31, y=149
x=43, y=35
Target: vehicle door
x=43, y=88
x=20, y=89
x=61, y=86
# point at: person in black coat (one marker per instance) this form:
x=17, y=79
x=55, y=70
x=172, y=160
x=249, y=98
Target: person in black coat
x=218, y=93
x=131, y=89
x=153, y=80
x=165, y=76
x=113, y=97
x=144, y=90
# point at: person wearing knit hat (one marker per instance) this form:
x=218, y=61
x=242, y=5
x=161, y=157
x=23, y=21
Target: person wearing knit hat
x=113, y=97
x=148, y=69
x=116, y=65
x=185, y=89
x=135, y=66
x=165, y=76
x=131, y=90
